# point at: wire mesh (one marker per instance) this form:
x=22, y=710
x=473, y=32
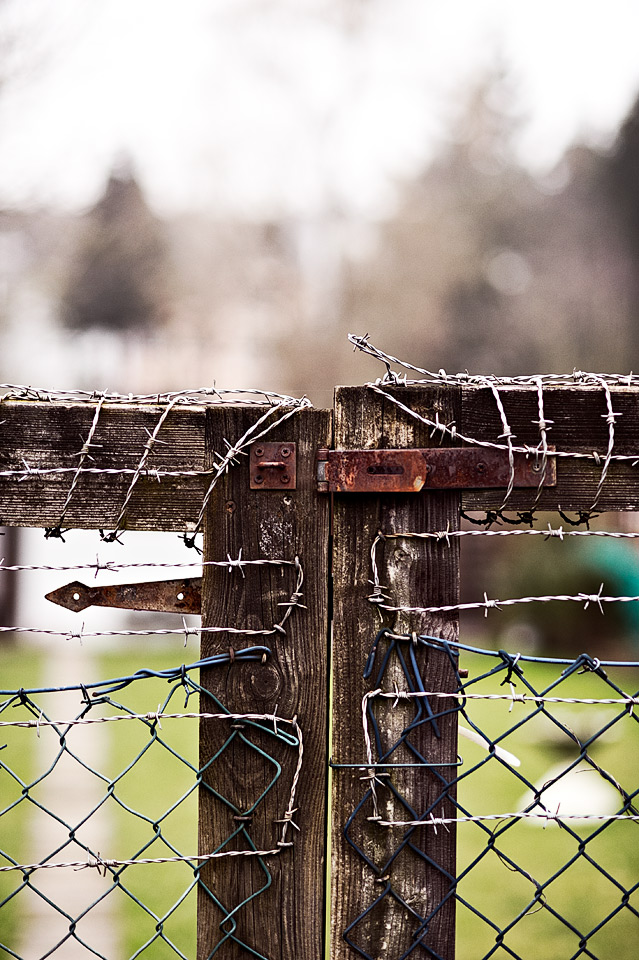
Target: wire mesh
x=146, y=789
x=568, y=895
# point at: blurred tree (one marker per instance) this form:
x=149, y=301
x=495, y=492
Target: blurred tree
x=622, y=170
x=118, y=279
x=620, y=174
x=484, y=268
x=450, y=267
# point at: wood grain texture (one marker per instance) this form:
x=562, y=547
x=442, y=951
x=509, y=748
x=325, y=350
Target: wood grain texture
x=578, y=416
x=413, y=572
x=50, y=435
x=287, y=920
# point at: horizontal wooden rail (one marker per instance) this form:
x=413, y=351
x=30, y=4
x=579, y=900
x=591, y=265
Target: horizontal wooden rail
x=42, y=444
x=40, y=436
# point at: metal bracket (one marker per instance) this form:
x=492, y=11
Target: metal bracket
x=164, y=596
x=439, y=468
x=273, y=466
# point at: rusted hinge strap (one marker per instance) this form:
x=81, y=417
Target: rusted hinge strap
x=164, y=596
x=440, y=468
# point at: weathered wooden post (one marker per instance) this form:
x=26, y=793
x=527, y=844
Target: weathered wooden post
x=286, y=919
x=394, y=864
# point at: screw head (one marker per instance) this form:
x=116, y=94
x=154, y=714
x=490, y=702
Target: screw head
x=258, y=451
x=286, y=478
x=285, y=451
x=259, y=478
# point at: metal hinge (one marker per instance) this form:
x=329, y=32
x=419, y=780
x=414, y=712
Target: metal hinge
x=163, y=596
x=440, y=468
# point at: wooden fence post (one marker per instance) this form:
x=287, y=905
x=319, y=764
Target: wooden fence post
x=286, y=919
x=418, y=573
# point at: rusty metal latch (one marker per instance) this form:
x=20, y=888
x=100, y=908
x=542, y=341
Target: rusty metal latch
x=164, y=596
x=273, y=466
x=440, y=468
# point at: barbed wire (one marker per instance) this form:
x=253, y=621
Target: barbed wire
x=83, y=454
x=577, y=377
x=508, y=436
x=450, y=430
x=148, y=448
x=545, y=815
x=114, y=565
x=292, y=603
x=548, y=533
x=105, y=863
x=541, y=451
x=200, y=396
x=380, y=599
x=155, y=716
x=279, y=408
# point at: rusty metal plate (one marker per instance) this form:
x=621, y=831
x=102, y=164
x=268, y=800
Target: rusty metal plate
x=164, y=596
x=273, y=466
x=409, y=471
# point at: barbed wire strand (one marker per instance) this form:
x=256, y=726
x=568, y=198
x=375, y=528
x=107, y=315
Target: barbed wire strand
x=363, y=344
x=293, y=602
x=548, y=816
x=494, y=604
x=199, y=396
x=544, y=426
x=114, y=565
x=146, y=453
x=508, y=436
x=84, y=452
x=609, y=417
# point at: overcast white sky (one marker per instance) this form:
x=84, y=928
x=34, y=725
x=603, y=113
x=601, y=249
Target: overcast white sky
x=263, y=107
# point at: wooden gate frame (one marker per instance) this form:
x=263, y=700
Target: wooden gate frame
x=332, y=537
